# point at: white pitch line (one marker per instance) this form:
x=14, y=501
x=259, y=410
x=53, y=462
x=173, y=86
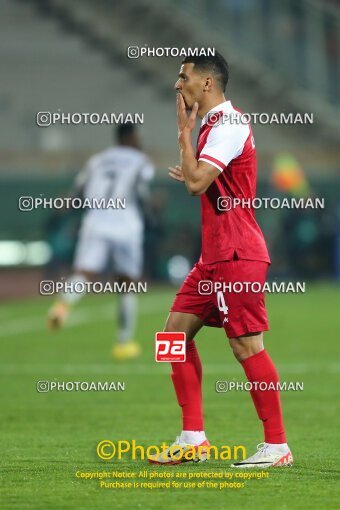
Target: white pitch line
x=79, y=317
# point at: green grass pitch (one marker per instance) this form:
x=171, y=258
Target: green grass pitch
x=47, y=437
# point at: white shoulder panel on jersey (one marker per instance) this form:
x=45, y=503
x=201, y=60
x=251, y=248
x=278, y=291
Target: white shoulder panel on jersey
x=224, y=143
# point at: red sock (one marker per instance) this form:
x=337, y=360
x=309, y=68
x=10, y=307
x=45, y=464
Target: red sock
x=260, y=368
x=187, y=379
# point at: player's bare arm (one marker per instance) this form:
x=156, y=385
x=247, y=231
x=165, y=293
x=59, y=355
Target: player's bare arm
x=198, y=175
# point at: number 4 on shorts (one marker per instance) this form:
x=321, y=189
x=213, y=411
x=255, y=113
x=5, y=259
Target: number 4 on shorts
x=222, y=306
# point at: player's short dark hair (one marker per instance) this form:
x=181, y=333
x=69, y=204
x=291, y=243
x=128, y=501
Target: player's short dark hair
x=124, y=130
x=215, y=64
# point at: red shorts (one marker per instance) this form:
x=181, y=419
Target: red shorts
x=240, y=309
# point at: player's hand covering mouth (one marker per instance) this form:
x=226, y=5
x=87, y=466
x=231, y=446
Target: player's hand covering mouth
x=187, y=107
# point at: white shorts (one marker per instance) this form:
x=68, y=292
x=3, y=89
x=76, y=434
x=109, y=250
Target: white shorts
x=95, y=253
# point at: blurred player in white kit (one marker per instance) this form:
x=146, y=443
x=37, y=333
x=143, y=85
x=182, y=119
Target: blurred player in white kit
x=112, y=237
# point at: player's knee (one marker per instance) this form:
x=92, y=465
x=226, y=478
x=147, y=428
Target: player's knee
x=239, y=351
x=175, y=323
x=172, y=324
x=124, y=279
x=88, y=275
x=244, y=347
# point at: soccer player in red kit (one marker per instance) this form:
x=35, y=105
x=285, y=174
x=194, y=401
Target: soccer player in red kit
x=233, y=250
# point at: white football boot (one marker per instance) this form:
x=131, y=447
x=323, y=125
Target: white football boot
x=180, y=452
x=268, y=455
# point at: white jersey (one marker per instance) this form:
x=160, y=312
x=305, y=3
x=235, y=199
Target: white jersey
x=116, y=173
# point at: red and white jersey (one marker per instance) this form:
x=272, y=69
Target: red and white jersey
x=227, y=144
